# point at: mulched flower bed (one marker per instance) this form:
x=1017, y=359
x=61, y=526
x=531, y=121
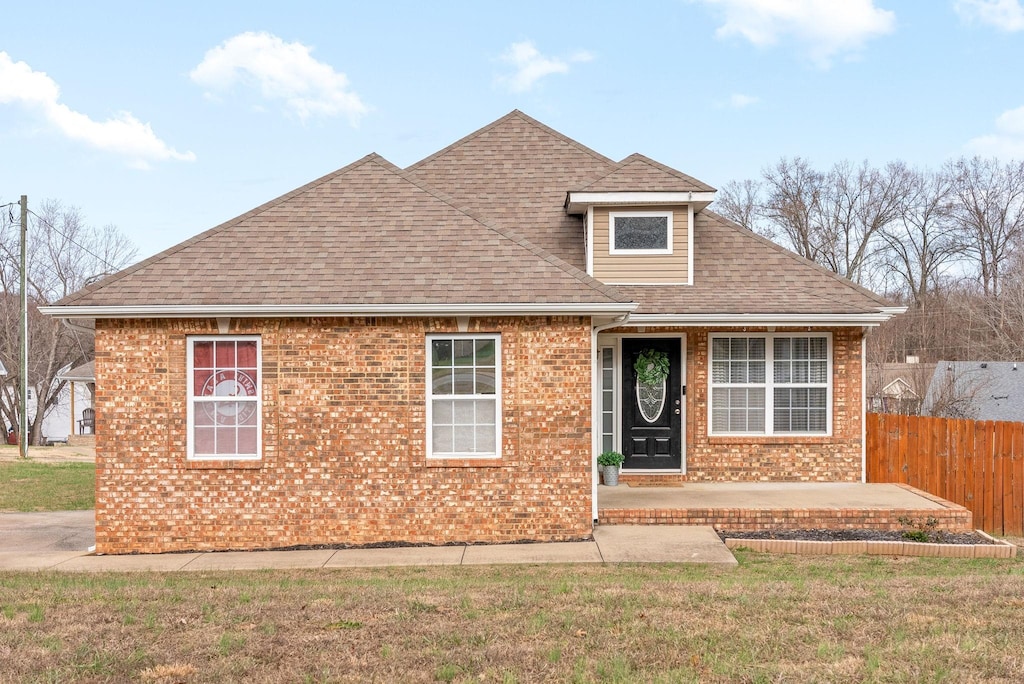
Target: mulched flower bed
x=857, y=535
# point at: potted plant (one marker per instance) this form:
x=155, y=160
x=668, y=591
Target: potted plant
x=609, y=462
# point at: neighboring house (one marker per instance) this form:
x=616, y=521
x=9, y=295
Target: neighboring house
x=898, y=387
x=60, y=420
x=81, y=391
x=63, y=418
x=437, y=353
x=977, y=390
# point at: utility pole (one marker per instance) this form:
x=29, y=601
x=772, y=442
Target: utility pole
x=23, y=418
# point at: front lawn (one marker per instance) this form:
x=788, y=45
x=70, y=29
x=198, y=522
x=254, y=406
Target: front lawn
x=27, y=486
x=774, y=619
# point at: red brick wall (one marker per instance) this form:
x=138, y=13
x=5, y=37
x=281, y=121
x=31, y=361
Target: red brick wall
x=837, y=458
x=344, y=455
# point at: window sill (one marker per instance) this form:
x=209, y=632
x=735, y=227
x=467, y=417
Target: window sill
x=466, y=463
x=771, y=439
x=225, y=464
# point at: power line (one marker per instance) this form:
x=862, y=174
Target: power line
x=107, y=265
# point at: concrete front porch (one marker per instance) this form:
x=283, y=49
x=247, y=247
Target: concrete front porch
x=780, y=505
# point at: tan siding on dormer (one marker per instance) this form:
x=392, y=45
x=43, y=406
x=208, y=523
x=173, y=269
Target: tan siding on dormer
x=641, y=268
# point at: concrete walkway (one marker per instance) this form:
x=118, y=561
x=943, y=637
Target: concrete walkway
x=611, y=544
x=48, y=532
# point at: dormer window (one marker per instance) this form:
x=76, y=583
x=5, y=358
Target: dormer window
x=640, y=232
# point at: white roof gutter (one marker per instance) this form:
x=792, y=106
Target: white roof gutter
x=737, y=320
x=289, y=310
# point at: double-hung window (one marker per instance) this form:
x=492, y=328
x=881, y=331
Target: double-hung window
x=464, y=396
x=771, y=384
x=224, y=406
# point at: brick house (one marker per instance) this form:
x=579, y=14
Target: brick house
x=436, y=354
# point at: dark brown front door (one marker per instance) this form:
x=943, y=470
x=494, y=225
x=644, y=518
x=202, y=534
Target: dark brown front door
x=651, y=414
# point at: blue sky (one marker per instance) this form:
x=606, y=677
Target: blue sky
x=166, y=119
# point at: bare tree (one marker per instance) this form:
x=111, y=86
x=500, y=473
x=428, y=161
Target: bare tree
x=948, y=243
x=792, y=203
x=740, y=201
x=923, y=239
x=63, y=254
x=990, y=208
x=833, y=218
x=857, y=204
x=1001, y=318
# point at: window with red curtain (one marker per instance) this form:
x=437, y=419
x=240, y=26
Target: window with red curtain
x=224, y=397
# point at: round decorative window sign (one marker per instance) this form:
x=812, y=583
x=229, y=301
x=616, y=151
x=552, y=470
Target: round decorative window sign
x=650, y=398
x=230, y=384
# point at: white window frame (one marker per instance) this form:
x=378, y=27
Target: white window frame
x=191, y=401
x=612, y=215
x=770, y=385
x=428, y=364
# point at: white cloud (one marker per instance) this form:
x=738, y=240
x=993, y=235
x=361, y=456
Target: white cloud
x=1006, y=15
x=827, y=28
x=739, y=100
x=281, y=71
x=124, y=134
x=531, y=66
x=1008, y=140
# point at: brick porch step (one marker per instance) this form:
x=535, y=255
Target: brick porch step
x=778, y=506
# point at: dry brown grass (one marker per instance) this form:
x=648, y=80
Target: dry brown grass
x=50, y=454
x=776, y=618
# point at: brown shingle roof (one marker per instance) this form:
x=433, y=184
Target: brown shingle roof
x=639, y=173
x=736, y=271
x=515, y=172
x=481, y=221
x=366, y=234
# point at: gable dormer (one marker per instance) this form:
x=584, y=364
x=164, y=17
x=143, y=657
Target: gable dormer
x=639, y=223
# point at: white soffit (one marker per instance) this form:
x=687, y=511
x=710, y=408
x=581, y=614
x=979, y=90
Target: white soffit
x=578, y=202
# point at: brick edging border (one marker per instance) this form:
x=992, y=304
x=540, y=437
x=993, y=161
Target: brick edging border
x=997, y=549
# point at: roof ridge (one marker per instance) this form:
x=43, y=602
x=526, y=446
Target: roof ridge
x=668, y=169
x=881, y=301
x=665, y=168
x=210, y=232
x=577, y=273
x=515, y=113
x=977, y=362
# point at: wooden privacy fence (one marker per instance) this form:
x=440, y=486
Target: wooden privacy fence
x=977, y=464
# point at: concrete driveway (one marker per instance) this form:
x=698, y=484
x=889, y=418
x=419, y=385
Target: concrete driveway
x=52, y=532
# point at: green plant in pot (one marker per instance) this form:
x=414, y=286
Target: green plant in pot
x=609, y=462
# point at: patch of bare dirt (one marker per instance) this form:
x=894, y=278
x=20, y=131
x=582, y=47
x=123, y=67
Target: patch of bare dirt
x=51, y=454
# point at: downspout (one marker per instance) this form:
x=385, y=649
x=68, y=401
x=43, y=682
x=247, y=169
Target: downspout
x=864, y=405
x=77, y=328
x=595, y=418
